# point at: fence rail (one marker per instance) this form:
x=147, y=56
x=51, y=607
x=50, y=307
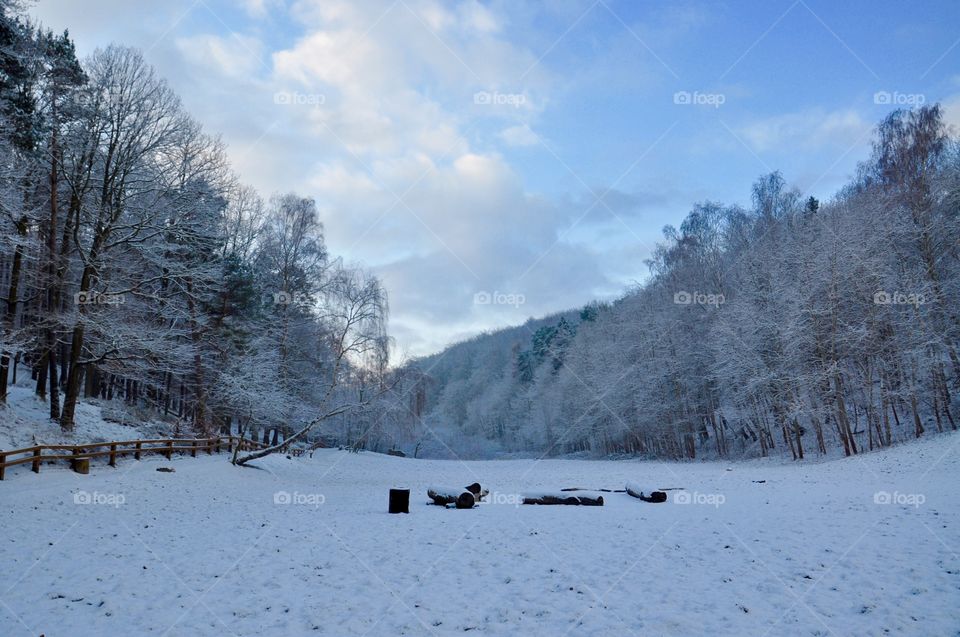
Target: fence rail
x=166, y=446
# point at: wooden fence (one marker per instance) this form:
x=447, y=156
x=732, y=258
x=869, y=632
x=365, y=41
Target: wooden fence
x=80, y=455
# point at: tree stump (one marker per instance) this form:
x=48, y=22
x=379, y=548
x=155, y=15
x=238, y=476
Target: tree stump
x=399, y=500
x=80, y=465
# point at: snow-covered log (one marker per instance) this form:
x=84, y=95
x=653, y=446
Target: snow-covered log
x=645, y=494
x=479, y=492
x=444, y=495
x=563, y=498
x=466, y=500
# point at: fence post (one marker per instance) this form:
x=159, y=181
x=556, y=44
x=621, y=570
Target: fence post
x=136, y=454
x=3, y=464
x=113, y=455
x=36, y=459
x=230, y=444
x=193, y=450
x=169, y=451
x=209, y=446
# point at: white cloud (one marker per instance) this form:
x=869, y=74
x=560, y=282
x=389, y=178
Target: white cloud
x=260, y=8
x=809, y=130
x=519, y=135
x=388, y=111
x=479, y=18
x=234, y=56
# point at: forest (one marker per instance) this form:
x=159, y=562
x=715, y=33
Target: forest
x=138, y=268
x=793, y=326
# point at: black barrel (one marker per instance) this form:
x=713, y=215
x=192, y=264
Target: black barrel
x=399, y=500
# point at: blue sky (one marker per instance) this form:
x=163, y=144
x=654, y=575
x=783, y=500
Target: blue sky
x=530, y=149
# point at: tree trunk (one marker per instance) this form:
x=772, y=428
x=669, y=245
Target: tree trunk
x=53, y=282
x=200, y=411
x=76, y=351
x=73, y=380
x=843, y=422
x=797, y=433
x=917, y=424
x=10, y=317
x=54, y=382
x=166, y=394
x=40, y=389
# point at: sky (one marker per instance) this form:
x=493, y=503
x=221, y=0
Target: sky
x=493, y=161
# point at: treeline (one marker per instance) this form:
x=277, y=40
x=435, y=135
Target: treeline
x=134, y=265
x=789, y=327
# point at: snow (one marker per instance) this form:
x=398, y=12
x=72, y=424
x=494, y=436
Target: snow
x=25, y=421
x=304, y=546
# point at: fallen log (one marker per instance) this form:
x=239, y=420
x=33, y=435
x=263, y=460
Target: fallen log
x=466, y=500
x=647, y=495
x=563, y=498
x=479, y=492
x=600, y=490
x=443, y=496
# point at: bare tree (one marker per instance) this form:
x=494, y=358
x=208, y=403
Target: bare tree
x=354, y=315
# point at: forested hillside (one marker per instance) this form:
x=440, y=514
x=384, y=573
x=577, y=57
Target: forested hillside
x=136, y=267
x=790, y=327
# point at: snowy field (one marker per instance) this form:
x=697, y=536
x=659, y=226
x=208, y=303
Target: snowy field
x=304, y=546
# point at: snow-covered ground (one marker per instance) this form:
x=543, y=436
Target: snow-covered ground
x=25, y=421
x=304, y=546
